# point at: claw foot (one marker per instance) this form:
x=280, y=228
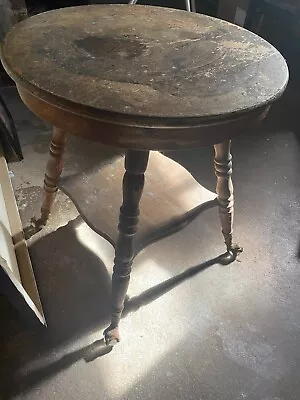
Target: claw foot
x=111, y=335
x=42, y=221
x=230, y=255
x=34, y=227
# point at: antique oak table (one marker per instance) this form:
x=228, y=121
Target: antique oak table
x=142, y=78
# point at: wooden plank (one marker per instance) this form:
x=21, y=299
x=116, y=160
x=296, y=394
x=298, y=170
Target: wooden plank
x=17, y=277
x=7, y=252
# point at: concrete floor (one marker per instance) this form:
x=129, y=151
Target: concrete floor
x=222, y=333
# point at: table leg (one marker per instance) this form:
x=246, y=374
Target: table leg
x=53, y=171
x=223, y=171
x=133, y=183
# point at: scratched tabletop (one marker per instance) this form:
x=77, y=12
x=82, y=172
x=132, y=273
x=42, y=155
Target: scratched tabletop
x=144, y=61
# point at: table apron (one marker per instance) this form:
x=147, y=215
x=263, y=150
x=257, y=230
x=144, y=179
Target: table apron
x=144, y=137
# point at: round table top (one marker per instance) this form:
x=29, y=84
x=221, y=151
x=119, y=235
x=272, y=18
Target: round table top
x=144, y=61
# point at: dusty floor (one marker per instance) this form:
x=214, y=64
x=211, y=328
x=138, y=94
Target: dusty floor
x=221, y=333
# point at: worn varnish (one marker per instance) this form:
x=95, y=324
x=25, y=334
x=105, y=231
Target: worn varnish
x=144, y=61
x=142, y=78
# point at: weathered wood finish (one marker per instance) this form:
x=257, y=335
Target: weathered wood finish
x=53, y=171
x=143, y=78
x=135, y=133
x=224, y=189
x=147, y=62
x=133, y=184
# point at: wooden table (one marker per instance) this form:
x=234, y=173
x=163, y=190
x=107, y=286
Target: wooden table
x=143, y=78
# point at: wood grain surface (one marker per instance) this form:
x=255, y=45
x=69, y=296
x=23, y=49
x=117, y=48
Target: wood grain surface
x=171, y=199
x=144, y=61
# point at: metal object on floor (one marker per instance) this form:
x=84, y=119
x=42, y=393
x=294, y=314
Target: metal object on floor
x=160, y=88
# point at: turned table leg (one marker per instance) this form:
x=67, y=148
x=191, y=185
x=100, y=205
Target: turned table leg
x=53, y=171
x=223, y=171
x=133, y=183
